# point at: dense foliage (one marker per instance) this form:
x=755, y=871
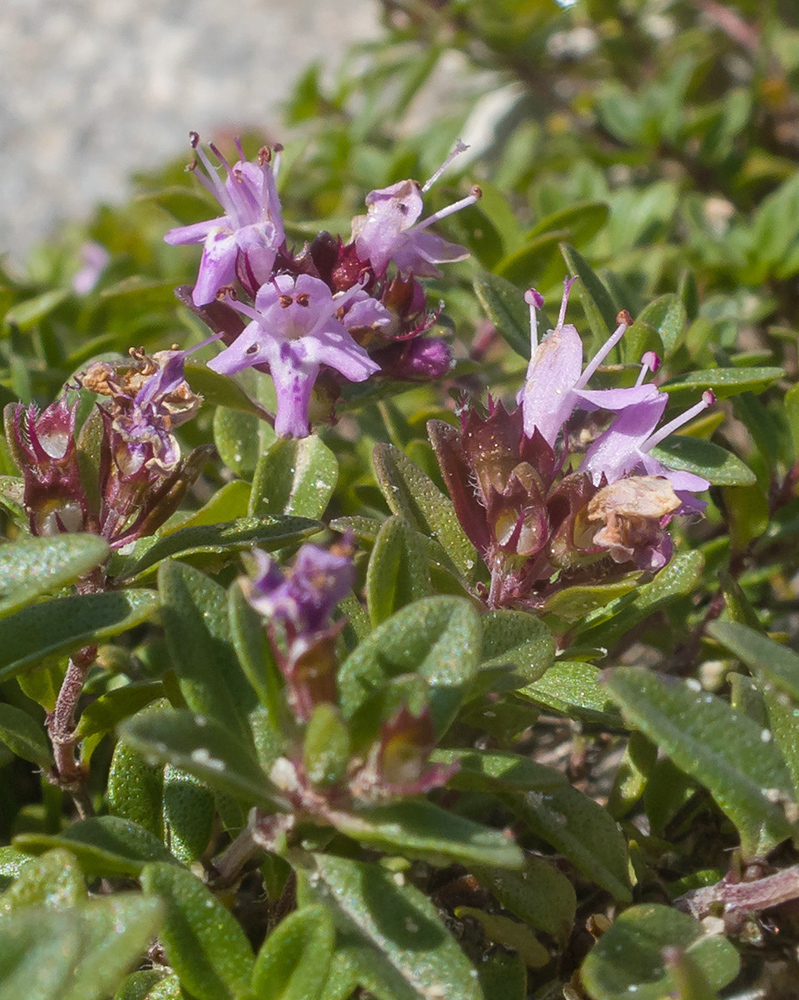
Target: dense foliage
x=435, y=638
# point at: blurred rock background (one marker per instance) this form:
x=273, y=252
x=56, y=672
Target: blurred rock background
x=93, y=90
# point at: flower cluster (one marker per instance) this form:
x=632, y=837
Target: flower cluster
x=297, y=604
x=543, y=510
x=129, y=475
x=326, y=315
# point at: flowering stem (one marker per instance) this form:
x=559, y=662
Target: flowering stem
x=68, y=772
x=226, y=868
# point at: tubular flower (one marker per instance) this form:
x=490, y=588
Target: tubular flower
x=297, y=326
x=626, y=445
x=390, y=231
x=556, y=381
x=297, y=604
x=148, y=401
x=540, y=515
x=140, y=478
x=243, y=242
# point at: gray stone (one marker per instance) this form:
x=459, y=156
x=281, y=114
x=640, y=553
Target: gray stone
x=96, y=89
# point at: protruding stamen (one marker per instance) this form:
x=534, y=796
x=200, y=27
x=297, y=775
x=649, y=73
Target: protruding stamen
x=708, y=399
x=603, y=352
x=458, y=148
x=535, y=300
x=650, y=362
x=567, y=287
x=474, y=196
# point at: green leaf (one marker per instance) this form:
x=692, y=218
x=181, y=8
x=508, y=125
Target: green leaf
x=438, y=638
x=584, y=219
x=356, y=964
x=695, y=730
x=105, y=846
x=294, y=961
x=268, y=533
x=76, y=955
x=396, y=919
x=135, y=789
x=229, y=503
x=581, y=830
x=607, y=625
x=515, y=640
x=539, y=894
x=572, y=688
x=38, y=953
x=239, y=439
x=505, y=306
x=597, y=302
x=221, y=390
x=326, y=750
x=628, y=958
x=137, y=985
x=12, y=862
x=398, y=572
x=66, y=624
x=195, y=620
x=503, y=976
x=408, y=491
x=53, y=881
x=499, y=929
x=24, y=736
x=497, y=770
x=203, y=747
x=296, y=476
x=107, y=711
x=532, y=259
x=115, y=931
x=665, y=318
x=767, y=659
x=703, y=458
x=419, y=829
x=204, y=943
x=725, y=382
x=32, y=567
x=574, y=603
x=27, y=314
x=255, y=654
x=188, y=814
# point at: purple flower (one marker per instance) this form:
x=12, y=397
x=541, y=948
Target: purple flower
x=390, y=231
x=555, y=382
x=297, y=326
x=302, y=598
x=149, y=401
x=246, y=239
x=624, y=448
x=94, y=259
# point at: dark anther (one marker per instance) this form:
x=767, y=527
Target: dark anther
x=285, y=301
x=302, y=298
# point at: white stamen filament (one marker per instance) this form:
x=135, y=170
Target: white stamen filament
x=460, y=147
x=708, y=398
x=449, y=210
x=567, y=287
x=650, y=362
x=534, y=301
x=601, y=354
